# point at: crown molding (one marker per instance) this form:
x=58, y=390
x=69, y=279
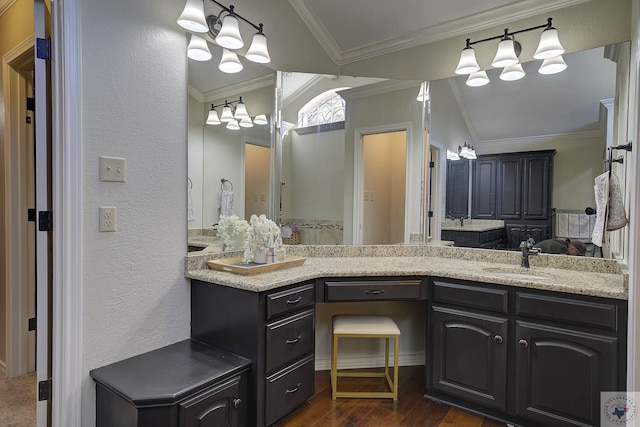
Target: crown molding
x=5, y=5
x=459, y=27
x=194, y=93
x=234, y=89
x=377, y=89
x=563, y=137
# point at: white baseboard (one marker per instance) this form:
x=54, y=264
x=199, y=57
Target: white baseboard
x=359, y=361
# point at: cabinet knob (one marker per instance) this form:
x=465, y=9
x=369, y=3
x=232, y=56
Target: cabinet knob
x=498, y=339
x=525, y=213
x=237, y=403
x=523, y=343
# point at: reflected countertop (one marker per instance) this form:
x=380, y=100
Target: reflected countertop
x=578, y=275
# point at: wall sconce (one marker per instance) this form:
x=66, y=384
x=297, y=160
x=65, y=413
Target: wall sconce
x=225, y=31
x=467, y=152
x=452, y=155
x=234, y=114
x=549, y=50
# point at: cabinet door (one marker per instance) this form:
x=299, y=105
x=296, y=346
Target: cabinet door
x=515, y=233
x=509, y=194
x=538, y=232
x=560, y=374
x=216, y=407
x=469, y=356
x=457, y=188
x=537, y=185
x=484, y=189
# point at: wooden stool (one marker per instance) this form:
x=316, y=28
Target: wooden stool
x=365, y=326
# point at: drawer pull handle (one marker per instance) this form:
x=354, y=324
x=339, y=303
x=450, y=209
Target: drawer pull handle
x=293, y=390
x=293, y=341
x=237, y=403
x=523, y=343
x=294, y=301
x=374, y=291
x=498, y=339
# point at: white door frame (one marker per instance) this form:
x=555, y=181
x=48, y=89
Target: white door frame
x=16, y=248
x=358, y=175
x=439, y=193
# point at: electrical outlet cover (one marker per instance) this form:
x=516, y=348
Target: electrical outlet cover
x=107, y=218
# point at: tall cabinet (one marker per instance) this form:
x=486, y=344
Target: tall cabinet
x=516, y=188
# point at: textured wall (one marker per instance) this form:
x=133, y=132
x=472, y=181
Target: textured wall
x=134, y=105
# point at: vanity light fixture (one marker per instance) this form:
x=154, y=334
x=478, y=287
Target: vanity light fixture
x=198, y=49
x=467, y=152
x=423, y=93
x=452, y=155
x=549, y=50
x=225, y=31
x=234, y=114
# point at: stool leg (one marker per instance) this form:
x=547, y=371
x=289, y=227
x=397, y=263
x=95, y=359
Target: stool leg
x=334, y=366
x=386, y=357
x=395, y=368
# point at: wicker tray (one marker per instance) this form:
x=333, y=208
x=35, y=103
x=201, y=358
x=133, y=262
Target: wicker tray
x=235, y=265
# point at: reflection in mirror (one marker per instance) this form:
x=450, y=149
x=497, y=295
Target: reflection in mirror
x=229, y=169
x=352, y=159
x=578, y=113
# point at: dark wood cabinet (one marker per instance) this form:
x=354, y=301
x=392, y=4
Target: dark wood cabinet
x=487, y=239
x=274, y=329
x=527, y=357
x=509, y=192
x=536, y=189
x=483, y=204
x=516, y=233
x=457, y=198
x=186, y=384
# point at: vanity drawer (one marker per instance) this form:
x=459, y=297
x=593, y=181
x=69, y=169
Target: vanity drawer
x=473, y=296
x=289, y=388
x=289, y=339
x=372, y=290
x=289, y=300
x=598, y=314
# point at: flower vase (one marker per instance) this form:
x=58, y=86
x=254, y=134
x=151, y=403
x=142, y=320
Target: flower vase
x=260, y=255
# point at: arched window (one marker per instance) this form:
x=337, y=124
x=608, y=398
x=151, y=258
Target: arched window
x=328, y=107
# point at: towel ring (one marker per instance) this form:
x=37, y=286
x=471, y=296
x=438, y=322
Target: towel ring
x=224, y=181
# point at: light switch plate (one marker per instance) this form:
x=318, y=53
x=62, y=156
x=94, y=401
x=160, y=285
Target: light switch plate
x=113, y=169
x=107, y=218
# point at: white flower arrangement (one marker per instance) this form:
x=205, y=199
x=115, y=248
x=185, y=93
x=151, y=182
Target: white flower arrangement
x=261, y=232
x=233, y=231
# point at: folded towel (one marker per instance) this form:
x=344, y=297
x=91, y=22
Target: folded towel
x=226, y=203
x=191, y=209
x=616, y=215
x=601, y=190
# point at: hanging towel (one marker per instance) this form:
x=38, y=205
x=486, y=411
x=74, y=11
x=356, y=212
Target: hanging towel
x=191, y=209
x=226, y=203
x=616, y=215
x=601, y=191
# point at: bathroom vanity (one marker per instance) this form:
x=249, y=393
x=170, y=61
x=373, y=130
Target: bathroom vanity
x=474, y=233
x=530, y=347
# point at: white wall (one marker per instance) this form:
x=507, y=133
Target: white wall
x=134, y=105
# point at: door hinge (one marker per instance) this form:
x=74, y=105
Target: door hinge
x=430, y=214
x=45, y=220
x=432, y=165
x=44, y=390
x=32, y=324
x=31, y=215
x=31, y=104
x=43, y=49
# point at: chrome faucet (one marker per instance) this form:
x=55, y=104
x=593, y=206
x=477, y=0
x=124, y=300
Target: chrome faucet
x=527, y=249
x=462, y=218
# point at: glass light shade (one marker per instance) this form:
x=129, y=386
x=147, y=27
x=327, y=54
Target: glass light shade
x=478, y=79
x=192, y=17
x=229, y=62
x=212, y=118
x=258, y=51
x=549, y=45
x=452, y=155
x=198, y=50
x=227, y=115
x=423, y=94
x=233, y=125
x=468, y=63
x=246, y=122
x=552, y=65
x=260, y=119
x=229, y=36
x=467, y=152
x=506, y=54
x=512, y=72
x=241, y=111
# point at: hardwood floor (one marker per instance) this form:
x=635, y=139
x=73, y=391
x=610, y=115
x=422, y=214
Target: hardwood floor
x=411, y=410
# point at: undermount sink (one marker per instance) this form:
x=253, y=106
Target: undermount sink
x=518, y=273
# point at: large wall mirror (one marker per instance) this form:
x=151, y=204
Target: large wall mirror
x=578, y=113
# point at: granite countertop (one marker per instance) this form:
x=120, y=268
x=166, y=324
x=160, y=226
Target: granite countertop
x=472, y=225
x=578, y=275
